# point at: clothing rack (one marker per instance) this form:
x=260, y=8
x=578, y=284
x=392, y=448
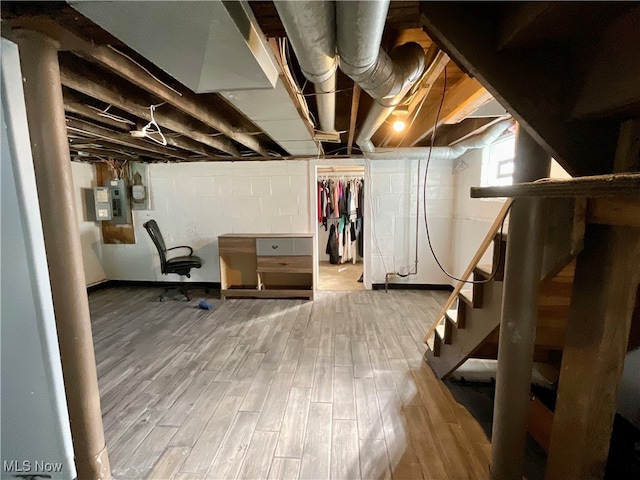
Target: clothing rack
x=340, y=177
x=350, y=168
x=336, y=172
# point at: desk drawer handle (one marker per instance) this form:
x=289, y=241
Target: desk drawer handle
x=284, y=264
x=275, y=247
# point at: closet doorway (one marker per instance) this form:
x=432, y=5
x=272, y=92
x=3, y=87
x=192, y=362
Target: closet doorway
x=339, y=227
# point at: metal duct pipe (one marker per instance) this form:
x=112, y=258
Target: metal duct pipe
x=311, y=28
x=409, y=61
x=483, y=139
x=385, y=78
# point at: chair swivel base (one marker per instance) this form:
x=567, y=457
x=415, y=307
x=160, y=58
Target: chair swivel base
x=169, y=292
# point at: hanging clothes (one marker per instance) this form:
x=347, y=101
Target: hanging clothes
x=336, y=199
x=361, y=238
x=353, y=239
x=360, y=209
x=320, y=200
x=332, y=246
x=341, y=204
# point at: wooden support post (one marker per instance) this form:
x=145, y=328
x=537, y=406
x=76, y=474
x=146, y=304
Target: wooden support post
x=604, y=291
x=52, y=165
x=523, y=268
x=605, y=288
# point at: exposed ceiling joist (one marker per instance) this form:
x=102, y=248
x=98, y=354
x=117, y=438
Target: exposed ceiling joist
x=121, y=139
x=108, y=150
x=187, y=102
x=96, y=155
x=465, y=96
x=355, y=102
x=85, y=111
x=434, y=70
x=100, y=88
x=181, y=142
x=129, y=70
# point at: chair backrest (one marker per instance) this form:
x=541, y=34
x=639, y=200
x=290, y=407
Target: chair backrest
x=154, y=232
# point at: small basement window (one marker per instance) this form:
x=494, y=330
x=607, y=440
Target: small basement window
x=497, y=163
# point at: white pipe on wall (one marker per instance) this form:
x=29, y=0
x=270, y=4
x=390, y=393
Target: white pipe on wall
x=481, y=140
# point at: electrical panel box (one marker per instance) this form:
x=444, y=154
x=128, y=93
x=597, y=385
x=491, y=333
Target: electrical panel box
x=119, y=202
x=139, y=174
x=102, y=202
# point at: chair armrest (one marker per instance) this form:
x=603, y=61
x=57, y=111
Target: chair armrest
x=182, y=246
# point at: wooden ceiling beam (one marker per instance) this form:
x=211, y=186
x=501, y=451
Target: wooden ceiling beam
x=182, y=143
x=187, y=101
x=97, y=154
x=125, y=140
x=95, y=86
x=85, y=111
x=464, y=97
x=434, y=70
x=355, y=102
x=111, y=150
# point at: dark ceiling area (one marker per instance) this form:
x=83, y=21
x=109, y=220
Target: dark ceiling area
x=105, y=99
x=566, y=71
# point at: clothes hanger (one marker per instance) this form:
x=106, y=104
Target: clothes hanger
x=152, y=128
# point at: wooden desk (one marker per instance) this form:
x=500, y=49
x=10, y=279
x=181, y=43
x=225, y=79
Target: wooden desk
x=266, y=265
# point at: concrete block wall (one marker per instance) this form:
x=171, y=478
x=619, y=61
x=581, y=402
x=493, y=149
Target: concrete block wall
x=194, y=203
x=472, y=217
x=392, y=206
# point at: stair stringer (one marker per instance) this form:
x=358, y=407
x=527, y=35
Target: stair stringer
x=479, y=324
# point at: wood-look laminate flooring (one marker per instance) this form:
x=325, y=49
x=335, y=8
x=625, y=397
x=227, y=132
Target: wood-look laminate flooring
x=343, y=276
x=278, y=389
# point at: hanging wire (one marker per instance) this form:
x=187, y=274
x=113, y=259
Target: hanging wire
x=106, y=114
x=145, y=69
x=495, y=267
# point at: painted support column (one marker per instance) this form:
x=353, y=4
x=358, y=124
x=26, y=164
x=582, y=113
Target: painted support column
x=523, y=269
x=52, y=165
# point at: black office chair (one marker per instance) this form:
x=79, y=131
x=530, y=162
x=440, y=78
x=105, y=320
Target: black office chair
x=181, y=265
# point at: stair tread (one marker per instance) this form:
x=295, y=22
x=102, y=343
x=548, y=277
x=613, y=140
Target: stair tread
x=467, y=292
x=485, y=268
x=440, y=331
x=467, y=295
x=431, y=342
x=452, y=314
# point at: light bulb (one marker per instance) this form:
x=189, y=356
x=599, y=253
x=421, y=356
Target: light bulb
x=398, y=125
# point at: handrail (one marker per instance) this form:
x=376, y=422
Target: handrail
x=472, y=264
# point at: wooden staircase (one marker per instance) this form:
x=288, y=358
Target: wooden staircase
x=468, y=326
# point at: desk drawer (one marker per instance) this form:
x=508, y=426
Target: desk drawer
x=274, y=246
x=303, y=246
x=231, y=245
x=285, y=264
